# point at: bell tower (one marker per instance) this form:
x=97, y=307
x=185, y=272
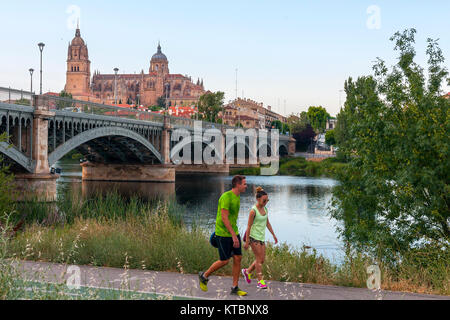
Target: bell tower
x=78, y=72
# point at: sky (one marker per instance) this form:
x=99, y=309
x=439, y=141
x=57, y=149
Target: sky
x=289, y=54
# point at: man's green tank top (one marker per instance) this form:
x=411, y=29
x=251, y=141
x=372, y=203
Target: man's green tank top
x=258, y=231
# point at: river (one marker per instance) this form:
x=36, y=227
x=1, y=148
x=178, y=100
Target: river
x=298, y=206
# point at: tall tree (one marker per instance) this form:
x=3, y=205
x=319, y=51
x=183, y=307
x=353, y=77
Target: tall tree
x=395, y=193
x=318, y=117
x=210, y=104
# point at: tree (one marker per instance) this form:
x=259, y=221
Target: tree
x=298, y=123
x=64, y=94
x=395, y=193
x=210, y=104
x=62, y=104
x=161, y=102
x=318, y=117
x=329, y=138
x=23, y=102
x=304, y=138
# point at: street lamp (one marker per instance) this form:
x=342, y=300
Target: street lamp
x=31, y=70
x=41, y=48
x=115, y=84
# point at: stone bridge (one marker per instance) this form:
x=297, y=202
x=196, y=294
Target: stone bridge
x=120, y=144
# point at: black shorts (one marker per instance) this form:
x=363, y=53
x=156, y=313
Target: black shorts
x=226, y=249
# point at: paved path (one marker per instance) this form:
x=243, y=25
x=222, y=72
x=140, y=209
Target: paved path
x=186, y=286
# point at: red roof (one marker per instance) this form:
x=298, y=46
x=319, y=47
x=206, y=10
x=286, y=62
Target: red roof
x=51, y=94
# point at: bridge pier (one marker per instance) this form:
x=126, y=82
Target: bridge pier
x=127, y=172
x=220, y=169
x=41, y=187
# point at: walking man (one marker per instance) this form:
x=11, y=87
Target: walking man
x=227, y=235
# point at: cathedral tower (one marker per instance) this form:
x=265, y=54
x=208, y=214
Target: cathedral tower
x=78, y=73
x=159, y=63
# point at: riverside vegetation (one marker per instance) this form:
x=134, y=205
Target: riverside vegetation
x=298, y=166
x=113, y=231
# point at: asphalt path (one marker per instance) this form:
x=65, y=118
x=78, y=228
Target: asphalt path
x=185, y=286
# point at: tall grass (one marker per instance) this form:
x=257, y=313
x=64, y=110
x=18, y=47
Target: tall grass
x=112, y=231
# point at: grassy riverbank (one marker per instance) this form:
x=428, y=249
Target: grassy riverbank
x=115, y=232
x=300, y=167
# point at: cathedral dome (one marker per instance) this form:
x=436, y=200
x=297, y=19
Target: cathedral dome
x=78, y=41
x=159, y=55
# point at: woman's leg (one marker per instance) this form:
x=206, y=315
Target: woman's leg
x=252, y=267
x=258, y=251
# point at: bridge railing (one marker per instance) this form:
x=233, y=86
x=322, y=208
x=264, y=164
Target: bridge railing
x=16, y=96
x=80, y=106
x=53, y=102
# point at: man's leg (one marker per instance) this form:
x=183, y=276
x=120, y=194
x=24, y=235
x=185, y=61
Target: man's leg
x=236, y=270
x=214, y=267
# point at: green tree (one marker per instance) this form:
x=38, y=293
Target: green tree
x=60, y=105
x=298, y=123
x=161, y=102
x=210, y=105
x=64, y=94
x=318, y=117
x=330, y=138
x=23, y=102
x=394, y=195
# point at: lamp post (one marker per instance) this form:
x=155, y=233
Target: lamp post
x=31, y=70
x=41, y=48
x=115, y=84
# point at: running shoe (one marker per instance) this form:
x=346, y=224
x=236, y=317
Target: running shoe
x=238, y=292
x=247, y=276
x=261, y=285
x=203, y=282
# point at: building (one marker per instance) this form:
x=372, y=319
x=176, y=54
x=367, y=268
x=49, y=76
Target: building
x=331, y=124
x=142, y=88
x=250, y=114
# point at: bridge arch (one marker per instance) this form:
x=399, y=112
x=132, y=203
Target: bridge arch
x=178, y=144
x=16, y=156
x=96, y=133
x=283, y=151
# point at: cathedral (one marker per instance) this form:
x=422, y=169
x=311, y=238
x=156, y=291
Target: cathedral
x=142, y=88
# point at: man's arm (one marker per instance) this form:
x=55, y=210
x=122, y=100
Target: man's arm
x=251, y=219
x=225, y=213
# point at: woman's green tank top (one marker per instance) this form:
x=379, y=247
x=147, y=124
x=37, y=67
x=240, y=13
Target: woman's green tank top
x=258, y=231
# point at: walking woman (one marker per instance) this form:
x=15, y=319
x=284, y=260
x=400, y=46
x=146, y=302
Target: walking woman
x=255, y=236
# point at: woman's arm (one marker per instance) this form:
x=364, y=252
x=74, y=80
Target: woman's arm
x=269, y=226
x=251, y=219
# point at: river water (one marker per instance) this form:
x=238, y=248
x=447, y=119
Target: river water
x=298, y=207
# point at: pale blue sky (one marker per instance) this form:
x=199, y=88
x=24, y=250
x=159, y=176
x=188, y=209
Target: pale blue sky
x=299, y=51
